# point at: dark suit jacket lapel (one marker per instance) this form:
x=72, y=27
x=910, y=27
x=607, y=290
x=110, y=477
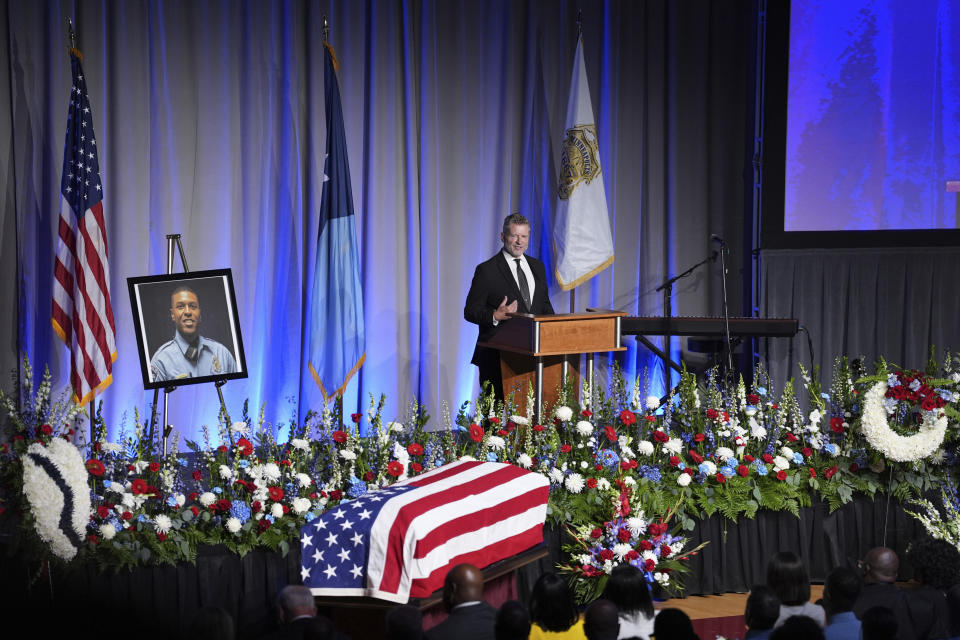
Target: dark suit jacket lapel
x=507, y=273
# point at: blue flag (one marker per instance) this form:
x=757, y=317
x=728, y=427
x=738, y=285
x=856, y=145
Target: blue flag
x=335, y=340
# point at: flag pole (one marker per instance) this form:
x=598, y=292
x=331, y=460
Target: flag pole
x=326, y=29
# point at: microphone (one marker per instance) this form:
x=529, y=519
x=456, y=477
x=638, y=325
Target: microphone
x=717, y=239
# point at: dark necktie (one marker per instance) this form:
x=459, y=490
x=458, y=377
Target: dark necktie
x=524, y=287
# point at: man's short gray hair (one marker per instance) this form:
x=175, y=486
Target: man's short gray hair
x=514, y=218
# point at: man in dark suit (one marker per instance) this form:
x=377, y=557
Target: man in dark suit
x=509, y=282
x=470, y=617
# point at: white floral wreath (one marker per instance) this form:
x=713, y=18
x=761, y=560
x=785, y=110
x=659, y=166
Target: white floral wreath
x=894, y=446
x=55, y=484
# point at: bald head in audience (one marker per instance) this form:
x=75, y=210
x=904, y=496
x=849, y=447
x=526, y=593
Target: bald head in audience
x=881, y=565
x=464, y=583
x=295, y=601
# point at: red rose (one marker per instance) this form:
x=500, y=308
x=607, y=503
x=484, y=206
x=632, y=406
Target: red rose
x=502, y=432
x=538, y=427
x=649, y=418
x=699, y=437
x=565, y=448
x=102, y=511
x=596, y=533
x=854, y=467
x=313, y=495
x=712, y=414
x=606, y=554
x=611, y=433
x=286, y=509
x=46, y=430
x=263, y=524
x=649, y=565
x=598, y=467
x=495, y=420
x=395, y=468
x=721, y=478
x=356, y=417
x=511, y=425
x=255, y=506
x=161, y=536
x=928, y=404
x=126, y=515
x=665, y=551
x=646, y=545
x=813, y=472
x=743, y=471
x=696, y=457
x=195, y=511
x=339, y=436
x=245, y=446
x=674, y=461
x=781, y=475
x=224, y=505
x=95, y=467
x=336, y=494
x=791, y=437
x=753, y=398
x=591, y=483
x=624, y=535
x=275, y=493
x=416, y=467
x=830, y=472
x=476, y=432
x=197, y=475
x=138, y=486
x=807, y=452
x=632, y=555
x=586, y=413
x=368, y=476
x=660, y=436
x=748, y=458
x=415, y=449
x=836, y=424
x=628, y=418
x=154, y=467
x=768, y=458
x=689, y=471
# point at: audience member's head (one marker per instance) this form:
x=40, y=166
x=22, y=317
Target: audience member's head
x=404, y=623
x=212, y=623
x=513, y=622
x=627, y=589
x=878, y=623
x=880, y=565
x=763, y=608
x=935, y=562
x=600, y=622
x=798, y=628
x=841, y=590
x=788, y=578
x=318, y=628
x=464, y=583
x=295, y=601
x=673, y=624
x=552, y=605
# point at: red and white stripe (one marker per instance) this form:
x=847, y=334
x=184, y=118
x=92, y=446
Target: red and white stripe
x=82, y=313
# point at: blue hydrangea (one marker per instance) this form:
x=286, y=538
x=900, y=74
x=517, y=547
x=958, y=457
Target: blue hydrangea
x=650, y=472
x=491, y=456
x=946, y=394
x=762, y=391
x=797, y=457
x=760, y=467
x=171, y=501
x=244, y=464
x=609, y=458
x=704, y=468
x=681, y=466
x=357, y=487
x=240, y=511
x=218, y=490
x=727, y=471
x=830, y=448
x=107, y=483
x=893, y=380
x=700, y=477
x=915, y=384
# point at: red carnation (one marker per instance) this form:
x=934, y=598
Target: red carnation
x=791, y=437
x=224, y=505
x=92, y=538
x=336, y=494
x=565, y=448
x=665, y=551
x=502, y=432
x=674, y=461
x=836, y=424
x=657, y=529
x=415, y=449
x=395, y=468
x=138, y=486
x=649, y=565
x=276, y=493
x=928, y=404
x=606, y=554
x=368, y=476
x=197, y=475
x=586, y=413
x=624, y=535
x=781, y=475
x=628, y=418
x=222, y=449
x=161, y=536
x=649, y=418
x=830, y=472
x=154, y=467
x=102, y=511
x=416, y=467
x=696, y=457
x=699, y=437
x=660, y=436
x=712, y=414
x=263, y=524
x=854, y=467
x=748, y=458
x=596, y=533
x=611, y=433
x=245, y=447
x=339, y=436
x=689, y=471
x=195, y=511
x=286, y=509
x=356, y=417
x=476, y=432
x=255, y=506
x=591, y=483
x=495, y=420
x=768, y=458
x=721, y=478
x=646, y=545
x=126, y=515
x=538, y=427
x=807, y=452
x=46, y=430
x=774, y=405
x=743, y=471
x=631, y=555
x=813, y=472
x=753, y=398
x=95, y=467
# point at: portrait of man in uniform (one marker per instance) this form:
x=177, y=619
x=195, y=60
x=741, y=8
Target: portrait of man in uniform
x=186, y=327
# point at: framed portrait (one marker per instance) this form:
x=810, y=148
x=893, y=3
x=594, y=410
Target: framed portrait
x=187, y=327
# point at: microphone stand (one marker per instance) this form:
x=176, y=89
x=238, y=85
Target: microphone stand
x=726, y=312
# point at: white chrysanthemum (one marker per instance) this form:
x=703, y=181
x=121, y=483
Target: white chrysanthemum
x=271, y=471
x=584, y=428
x=629, y=481
x=239, y=427
x=645, y=447
x=519, y=420
x=723, y=453
x=815, y=417
x=786, y=452
x=301, y=505
x=673, y=445
x=304, y=480
x=496, y=443
x=346, y=454
x=563, y=414
x=108, y=531
x=207, y=498
x=556, y=476
x=574, y=483
x=603, y=484
x=621, y=550
x=110, y=447
x=653, y=402
x=396, y=427
x=276, y=510
x=524, y=461
x=683, y=480
x=233, y=525
x=225, y=472
x=780, y=463
x=162, y=523
x=300, y=444
x=637, y=525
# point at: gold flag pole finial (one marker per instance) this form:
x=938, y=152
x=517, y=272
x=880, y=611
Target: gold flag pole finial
x=326, y=29
x=73, y=40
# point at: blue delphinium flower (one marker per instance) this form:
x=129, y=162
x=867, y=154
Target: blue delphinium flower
x=240, y=511
x=760, y=467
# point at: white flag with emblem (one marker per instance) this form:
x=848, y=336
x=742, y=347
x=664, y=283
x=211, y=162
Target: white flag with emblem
x=582, y=242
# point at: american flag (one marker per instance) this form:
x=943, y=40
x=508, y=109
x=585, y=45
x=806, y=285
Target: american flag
x=82, y=315
x=398, y=543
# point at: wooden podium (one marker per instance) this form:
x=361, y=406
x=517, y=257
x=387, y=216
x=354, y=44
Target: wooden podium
x=540, y=350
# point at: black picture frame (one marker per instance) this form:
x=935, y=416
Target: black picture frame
x=150, y=302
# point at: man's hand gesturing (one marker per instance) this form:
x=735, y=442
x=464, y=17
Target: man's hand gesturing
x=500, y=314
